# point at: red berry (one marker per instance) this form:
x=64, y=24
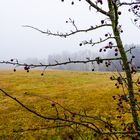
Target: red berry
x=119, y=13
x=106, y=35
x=100, y=50
x=110, y=43
x=53, y=104
x=111, y=78
x=72, y=3
x=102, y=21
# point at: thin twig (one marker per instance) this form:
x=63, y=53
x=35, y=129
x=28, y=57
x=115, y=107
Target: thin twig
x=128, y=3
x=41, y=128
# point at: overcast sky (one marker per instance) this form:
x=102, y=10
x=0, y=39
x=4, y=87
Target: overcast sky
x=19, y=42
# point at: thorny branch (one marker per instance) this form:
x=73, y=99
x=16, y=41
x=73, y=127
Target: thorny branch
x=128, y=3
x=78, y=114
x=57, y=63
x=70, y=122
x=57, y=118
x=98, y=42
x=48, y=32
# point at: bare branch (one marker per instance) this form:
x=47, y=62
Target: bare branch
x=97, y=118
x=41, y=128
x=48, y=32
x=128, y=3
x=98, y=42
x=130, y=49
x=57, y=118
x=121, y=132
x=97, y=8
x=57, y=63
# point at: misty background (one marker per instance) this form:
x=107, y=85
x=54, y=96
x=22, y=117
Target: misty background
x=31, y=46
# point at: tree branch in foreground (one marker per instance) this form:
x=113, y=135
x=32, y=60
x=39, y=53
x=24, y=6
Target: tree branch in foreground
x=92, y=43
x=48, y=32
x=69, y=122
x=97, y=59
x=57, y=118
x=97, y=8
x=128, y=3
x=41, y=128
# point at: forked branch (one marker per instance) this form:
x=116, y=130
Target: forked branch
x=97, y=8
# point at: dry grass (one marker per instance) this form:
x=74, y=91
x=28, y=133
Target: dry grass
x=90, y=91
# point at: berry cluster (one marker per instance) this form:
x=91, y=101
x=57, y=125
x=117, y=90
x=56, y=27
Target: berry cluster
x=121, y=107
x=110, y=46
x=118, y=79
x=27, y=68
x=98, y=60
x=107, y=63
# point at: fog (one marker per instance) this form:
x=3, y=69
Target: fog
x=22, y=43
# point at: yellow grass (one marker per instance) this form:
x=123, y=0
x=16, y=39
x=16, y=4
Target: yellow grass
x=90, y=91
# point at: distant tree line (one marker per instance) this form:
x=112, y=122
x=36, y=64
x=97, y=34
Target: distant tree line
x=80, y=55
x=83, y=55
x=88, y=54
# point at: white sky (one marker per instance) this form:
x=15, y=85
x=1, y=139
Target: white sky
x=21, y=43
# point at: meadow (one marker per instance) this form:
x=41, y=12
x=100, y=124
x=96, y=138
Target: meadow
x=77, y=91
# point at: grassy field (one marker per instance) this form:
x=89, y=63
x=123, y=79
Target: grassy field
x=90, y=91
